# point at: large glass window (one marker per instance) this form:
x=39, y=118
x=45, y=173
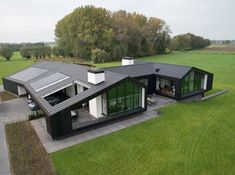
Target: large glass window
x=165, y=86
x=125, y=96
x=192, y=82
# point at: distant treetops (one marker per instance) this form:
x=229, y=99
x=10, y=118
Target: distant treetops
x=100, y=35
x=188, y=41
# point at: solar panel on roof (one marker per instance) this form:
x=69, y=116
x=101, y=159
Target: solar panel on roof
x=48, y=81
x=28, y=74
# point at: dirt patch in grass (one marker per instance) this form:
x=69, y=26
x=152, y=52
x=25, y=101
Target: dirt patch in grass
x=223, y=49
x=4, y=96
x=27, y=155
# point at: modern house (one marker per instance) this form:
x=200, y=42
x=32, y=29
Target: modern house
x=99, y=96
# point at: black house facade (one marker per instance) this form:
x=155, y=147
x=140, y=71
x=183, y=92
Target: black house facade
x=77, y=98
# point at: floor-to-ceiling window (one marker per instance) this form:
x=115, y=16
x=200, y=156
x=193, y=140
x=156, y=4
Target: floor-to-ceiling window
x=125, y=96
x=192, y=82
x=165, y=86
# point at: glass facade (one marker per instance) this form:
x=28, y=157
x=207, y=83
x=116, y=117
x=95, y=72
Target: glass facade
x=165, y=86
x=194, y=81
x=123, y=97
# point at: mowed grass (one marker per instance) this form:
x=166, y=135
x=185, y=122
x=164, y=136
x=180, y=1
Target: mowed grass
x=187, y=138
x=15, y=64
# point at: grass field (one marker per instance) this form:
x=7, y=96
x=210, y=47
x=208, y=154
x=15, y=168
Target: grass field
x=15, y=64
x=193, y=138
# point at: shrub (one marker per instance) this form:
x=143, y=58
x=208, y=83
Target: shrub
x=98, y=55
x=35, y=115
x=26, y=52
x=6, y=52
x=55, y=51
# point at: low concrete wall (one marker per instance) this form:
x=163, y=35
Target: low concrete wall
x=192, y=99
x=214, y=95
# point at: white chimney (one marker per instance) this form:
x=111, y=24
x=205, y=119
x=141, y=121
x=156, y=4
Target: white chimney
x=127, y=61
x=95, y=76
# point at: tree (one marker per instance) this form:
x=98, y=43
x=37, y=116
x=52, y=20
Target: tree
x=6, y=52
x=55, y=51
x=86, y=28
x=26, y=52
x=116, y=33
x=188, y=42
x=98, y=55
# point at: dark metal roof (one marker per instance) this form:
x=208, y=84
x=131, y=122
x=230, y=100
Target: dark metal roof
x=141, y=68
x=75, y=73
x=78, y=73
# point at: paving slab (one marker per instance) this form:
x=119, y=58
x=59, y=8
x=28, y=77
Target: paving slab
x=56, y=145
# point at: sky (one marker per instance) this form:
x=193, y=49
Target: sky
x=35, y=20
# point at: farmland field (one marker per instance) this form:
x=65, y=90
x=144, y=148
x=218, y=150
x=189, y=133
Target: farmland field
x=15, y=64
x=187, y=138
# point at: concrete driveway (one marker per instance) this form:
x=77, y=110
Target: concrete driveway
x=10, y=111
x=15, y=109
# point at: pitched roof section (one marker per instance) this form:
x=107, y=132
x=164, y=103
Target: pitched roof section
x=141, y=68
x=46, y=77
x=135, y=70
x=59, y=75
x=171, y=70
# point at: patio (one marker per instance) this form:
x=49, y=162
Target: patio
x=83, y=117
x=52, y=145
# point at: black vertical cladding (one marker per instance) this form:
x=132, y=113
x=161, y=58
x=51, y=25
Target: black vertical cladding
x=10, y=86
x=49, y=126
x=209, y=82
x=178, y=85
x=151, y=84
x=60, y=124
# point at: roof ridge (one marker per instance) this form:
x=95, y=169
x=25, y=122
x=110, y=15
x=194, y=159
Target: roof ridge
x=128, y=65
x=173, y=64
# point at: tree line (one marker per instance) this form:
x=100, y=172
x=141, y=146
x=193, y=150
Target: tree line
x=17, y=46
x=100, y=35
x=188, y=41
x=28, y=52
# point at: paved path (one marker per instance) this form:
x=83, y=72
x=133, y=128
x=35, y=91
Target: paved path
x=12, y=110
x=52, y=146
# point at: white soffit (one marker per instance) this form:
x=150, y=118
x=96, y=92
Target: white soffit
x=28, y=74
x=48, y=81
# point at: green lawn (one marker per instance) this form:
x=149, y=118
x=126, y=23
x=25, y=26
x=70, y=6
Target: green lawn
x=15, y=64
x=188, y=138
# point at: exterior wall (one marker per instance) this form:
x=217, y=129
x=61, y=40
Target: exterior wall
x=151, y=84
x=21, y=90
x=127, y=62
x=210, y=81
x=10, y=86
x=95, y=107
x=143, y=102
x=95, y=78
x=197, y=97
x=205, y=81
x=79, y=88
x=60, y=124
x=70, y=91
x=207, y=85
